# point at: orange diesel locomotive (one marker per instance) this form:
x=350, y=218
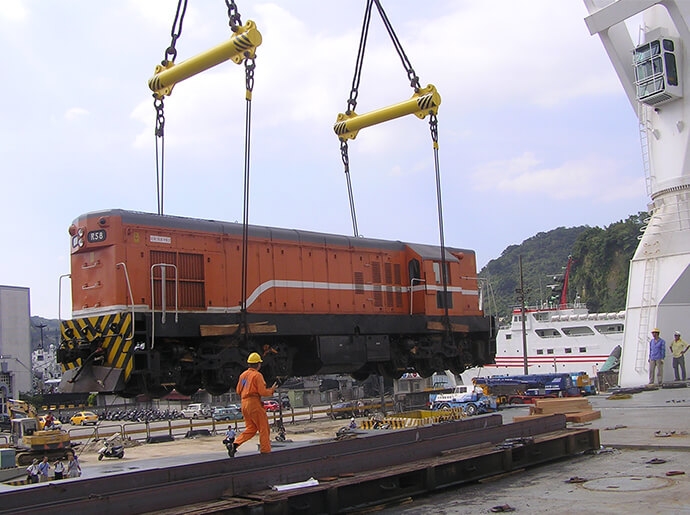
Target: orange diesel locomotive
x=157, y=304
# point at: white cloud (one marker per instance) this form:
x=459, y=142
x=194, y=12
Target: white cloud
x=596, y=179
x=75, y=113
x=14, y=10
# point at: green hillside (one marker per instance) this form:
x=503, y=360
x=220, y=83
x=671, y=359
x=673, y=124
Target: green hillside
x=599, y=273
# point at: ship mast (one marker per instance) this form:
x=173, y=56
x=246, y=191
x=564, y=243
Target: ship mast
x=521, y=297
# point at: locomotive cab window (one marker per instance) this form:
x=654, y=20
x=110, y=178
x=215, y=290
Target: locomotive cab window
x=414, y=269
x=437, y=272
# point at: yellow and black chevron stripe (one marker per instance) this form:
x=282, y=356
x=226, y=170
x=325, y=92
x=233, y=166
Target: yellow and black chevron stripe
x=115, y=329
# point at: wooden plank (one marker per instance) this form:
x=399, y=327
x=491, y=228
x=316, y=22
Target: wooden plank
x=562, y=401
x=439, y=326
x=583, y=416
x=230, y=329
x=529, y=417
x=563, y=405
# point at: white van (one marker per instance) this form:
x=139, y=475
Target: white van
x=197, y=410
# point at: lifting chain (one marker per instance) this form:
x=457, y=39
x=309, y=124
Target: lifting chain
x=175, y=33
x=168, y=57
x=234, y=18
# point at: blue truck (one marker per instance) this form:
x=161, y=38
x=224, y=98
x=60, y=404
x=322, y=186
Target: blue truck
x=471, y=403
x=523, y=389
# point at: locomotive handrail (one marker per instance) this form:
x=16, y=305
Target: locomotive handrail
x=60, y=295
x=97, y=284
x=129, y=289
x=162, y=266
x=94, y=265
x=412, y=290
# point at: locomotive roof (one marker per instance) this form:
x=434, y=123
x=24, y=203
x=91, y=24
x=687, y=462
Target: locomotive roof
x=269, y=233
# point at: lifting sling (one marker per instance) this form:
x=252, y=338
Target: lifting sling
x=241, y=47
x=424, y=101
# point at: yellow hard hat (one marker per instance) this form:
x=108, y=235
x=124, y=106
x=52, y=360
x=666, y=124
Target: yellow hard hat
x=254, y=358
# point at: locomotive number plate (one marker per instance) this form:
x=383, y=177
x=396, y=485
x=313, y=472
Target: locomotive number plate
x=96, y=236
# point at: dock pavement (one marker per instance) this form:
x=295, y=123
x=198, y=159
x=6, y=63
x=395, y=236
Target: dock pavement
x=643, y=466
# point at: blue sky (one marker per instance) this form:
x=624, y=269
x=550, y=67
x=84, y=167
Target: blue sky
x=535, y=131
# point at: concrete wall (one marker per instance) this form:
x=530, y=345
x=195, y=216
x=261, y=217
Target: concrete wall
x=15, y=340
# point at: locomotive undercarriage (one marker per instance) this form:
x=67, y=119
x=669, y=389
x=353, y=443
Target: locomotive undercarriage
x=177, y=357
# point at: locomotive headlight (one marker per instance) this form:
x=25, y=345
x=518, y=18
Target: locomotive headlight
x=80, y=232
x=81, y=242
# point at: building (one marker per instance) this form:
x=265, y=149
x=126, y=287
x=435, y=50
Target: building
x=15, y=343
x=46, y=369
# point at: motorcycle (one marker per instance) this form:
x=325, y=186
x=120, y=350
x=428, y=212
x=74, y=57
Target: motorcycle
x=111, y=449
x=229, y=445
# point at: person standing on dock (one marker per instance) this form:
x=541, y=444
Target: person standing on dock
x=657, y=353
x=73, y=467
x=59, y=469
x=44, y=470
x=678, y=349
x=251, y=386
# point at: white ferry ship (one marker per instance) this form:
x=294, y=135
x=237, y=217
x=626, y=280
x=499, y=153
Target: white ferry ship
x=561, y=338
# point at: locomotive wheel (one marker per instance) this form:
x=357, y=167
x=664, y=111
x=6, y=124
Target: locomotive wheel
x=216, y=382
x=360, y=375
x=424, y=368
x=158, y=391
x=187, y=388
x=455, y=365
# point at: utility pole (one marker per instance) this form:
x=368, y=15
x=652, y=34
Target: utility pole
x=521, y=298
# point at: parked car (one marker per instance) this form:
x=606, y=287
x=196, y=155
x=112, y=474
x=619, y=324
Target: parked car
x=229, y=413
x=81, y=418
x=5, y=422
x=197, y=410
x=271, y=405
x=342, y=410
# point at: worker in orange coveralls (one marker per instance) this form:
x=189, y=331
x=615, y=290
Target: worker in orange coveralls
x=251, y=386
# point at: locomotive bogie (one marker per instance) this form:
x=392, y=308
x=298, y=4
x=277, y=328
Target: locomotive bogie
x=315, y=303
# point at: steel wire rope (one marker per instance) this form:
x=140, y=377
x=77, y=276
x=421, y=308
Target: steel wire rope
x=249, y=75
x=414, y=80
x=433, y=127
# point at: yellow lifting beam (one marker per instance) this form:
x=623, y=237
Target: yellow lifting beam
x=241, y=45
x=423, y=102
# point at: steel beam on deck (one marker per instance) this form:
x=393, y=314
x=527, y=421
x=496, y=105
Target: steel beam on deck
x=237, y=480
